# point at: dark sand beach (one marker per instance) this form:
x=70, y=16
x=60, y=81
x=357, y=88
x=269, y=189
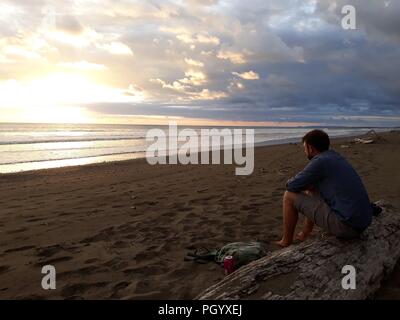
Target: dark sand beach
x=121, y=230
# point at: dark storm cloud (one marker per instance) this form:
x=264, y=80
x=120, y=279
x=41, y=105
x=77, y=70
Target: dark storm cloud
x=378, y=18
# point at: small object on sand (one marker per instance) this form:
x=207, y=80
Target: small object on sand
x=344, y=146
x=229, y=264
x=283, y=171
x=372, y=132
x=363, y=141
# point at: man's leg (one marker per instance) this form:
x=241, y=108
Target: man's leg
x=290, y=217
x=316, y=210
x=308, y=226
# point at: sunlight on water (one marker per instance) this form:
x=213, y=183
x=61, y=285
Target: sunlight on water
x=27, y=166
x=38, y=146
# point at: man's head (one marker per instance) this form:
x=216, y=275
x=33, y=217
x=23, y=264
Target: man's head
x=315, y=142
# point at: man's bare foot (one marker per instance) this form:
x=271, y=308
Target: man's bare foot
x=283, y=243
x=303, y=236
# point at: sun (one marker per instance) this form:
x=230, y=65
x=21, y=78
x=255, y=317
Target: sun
x=58, y=97
x=66, y=89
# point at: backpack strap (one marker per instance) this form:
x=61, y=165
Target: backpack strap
x=201, y=255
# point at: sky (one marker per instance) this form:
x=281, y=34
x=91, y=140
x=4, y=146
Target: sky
x=254, y=62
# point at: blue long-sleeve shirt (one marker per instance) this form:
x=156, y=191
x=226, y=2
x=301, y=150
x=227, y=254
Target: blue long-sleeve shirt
x=339, y=185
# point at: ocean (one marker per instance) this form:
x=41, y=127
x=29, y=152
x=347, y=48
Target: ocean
x=26, y=147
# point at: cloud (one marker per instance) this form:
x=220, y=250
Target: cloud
x=176, y=85
x=116, y=48
x=83, y=65
x=200, y=56
x=194, y=63
x=206, y=94
x=203, y=2
x=68, y=23
x=20, y=52
x=198, y=38
x=193, y=77
x=234, y=57
x=84, y=39
x=377, y=18
x=249, y=75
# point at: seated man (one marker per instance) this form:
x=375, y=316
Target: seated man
x=328, y=192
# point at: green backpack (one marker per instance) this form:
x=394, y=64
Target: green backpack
x=242, y=253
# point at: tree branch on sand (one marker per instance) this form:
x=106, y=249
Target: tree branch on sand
x=313, y=269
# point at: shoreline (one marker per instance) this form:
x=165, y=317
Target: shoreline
x=142, y=155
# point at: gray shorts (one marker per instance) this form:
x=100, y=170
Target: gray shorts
x=316, y=209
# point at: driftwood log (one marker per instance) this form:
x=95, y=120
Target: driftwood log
x=313, y=269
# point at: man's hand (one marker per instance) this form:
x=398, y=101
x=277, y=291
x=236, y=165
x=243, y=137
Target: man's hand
x=311, y=188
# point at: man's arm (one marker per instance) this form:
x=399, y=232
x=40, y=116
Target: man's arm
x=310, y=176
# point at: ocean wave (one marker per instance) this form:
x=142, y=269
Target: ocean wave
x=11, y=142
x=77, y=139
x=72, y=158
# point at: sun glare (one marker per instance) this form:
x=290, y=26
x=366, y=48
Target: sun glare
x=69, y=88
x=57, y=115
x=58, y=97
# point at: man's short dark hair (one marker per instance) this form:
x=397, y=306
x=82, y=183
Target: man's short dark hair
x=318, y=139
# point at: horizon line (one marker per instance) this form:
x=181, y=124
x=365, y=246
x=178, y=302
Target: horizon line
x=199, y=125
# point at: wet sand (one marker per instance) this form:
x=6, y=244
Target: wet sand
x=121, y=230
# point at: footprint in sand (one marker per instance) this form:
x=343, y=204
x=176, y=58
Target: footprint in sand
x=185, y=209
x=35, y=220
x=14, y=206
x=17, y=230
x=52, y=261
x=49, y=251
x=127, y=228
x=25, y=248
x=102, y=235
x=257, y=195
x=90, y=261
x=4, y=269
x=120, y=286
x=116, y=264
x=248, y=207
x=144, y=256
x=147, y=203
x=85, y=271
x=80, y=288
x=229, y=213
x=121, y=244
x=146, y=270
x=65, y=214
